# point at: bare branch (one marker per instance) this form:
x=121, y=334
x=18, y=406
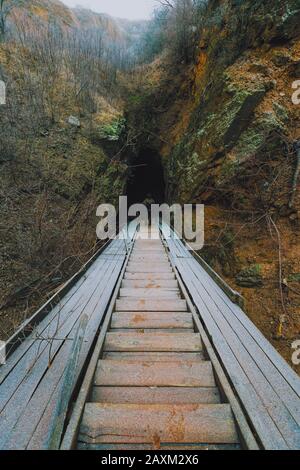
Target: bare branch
x=165, y=3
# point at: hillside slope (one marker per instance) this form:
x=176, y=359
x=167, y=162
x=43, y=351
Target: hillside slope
x=227, y=133
x=60, y=131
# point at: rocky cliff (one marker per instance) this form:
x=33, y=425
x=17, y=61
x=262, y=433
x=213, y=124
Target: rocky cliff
x=226, y=130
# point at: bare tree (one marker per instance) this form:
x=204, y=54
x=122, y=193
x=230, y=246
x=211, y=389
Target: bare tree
x=166, y=3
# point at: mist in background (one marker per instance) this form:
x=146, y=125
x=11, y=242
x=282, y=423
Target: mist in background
x=131, y=9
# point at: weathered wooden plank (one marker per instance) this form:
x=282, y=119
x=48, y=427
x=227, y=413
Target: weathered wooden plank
x=70, y=436
x=142, y=293
x=40, y=435
x=149, y=276
x=264, y=425
x=67, y=386
x=138, y=257
x=60, y=312
x=162, y=447
x=156, y=241
x=156, y=395
x=189, y=342
x=30, y=324
x=19, y=434
x=42, y=330
x=152, y=320
x=154, y=356
x=148, y=244
x=254, y=367
x=149, y=284
x=162, y=261
x=247, y=437
x=33, y=364
x=164, y=423
x=145, y=249
x=158, y=331
x=260, y=348
x=38, y=401
x=146, y=305
x=151, y=268
x=152, y=374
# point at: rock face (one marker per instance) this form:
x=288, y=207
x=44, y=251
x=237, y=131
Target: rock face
x=225, y=129
x=242, y=105
x=250, y=277
x=233, y=107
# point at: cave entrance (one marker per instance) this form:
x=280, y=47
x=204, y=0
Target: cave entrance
x=146, y=180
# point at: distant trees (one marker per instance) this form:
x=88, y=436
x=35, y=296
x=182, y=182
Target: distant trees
x=153, y=40
x=175, y=27
x=183, y=28
x=6, y=7
x=54, y=72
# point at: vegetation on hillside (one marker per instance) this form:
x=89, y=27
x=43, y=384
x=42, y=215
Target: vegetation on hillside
x=221, y=117
x=204, y=87
x=60, y=129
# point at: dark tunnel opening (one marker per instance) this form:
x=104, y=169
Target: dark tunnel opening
x=146, y=180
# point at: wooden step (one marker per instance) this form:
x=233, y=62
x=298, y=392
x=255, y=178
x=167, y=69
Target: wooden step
x=152, y=320
x=146, y=305
x=158, y=331
x=150, y=268
x=142, y=293
x=149, y=284
x=151, y=263
x=149, y=276
x=154, y=356
x=181, y=342
x=148, y=238
x=153, y=240
x=156, y=395
x=128, y=423
x=150, y=249
x=148, y=244
x=154, y=374
x=163, y=447
x=136, y=258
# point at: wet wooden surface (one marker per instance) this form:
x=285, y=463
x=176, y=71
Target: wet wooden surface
x=147, y=373
x=152, y=383
x=152, y=320
x=31, y=380
x=113, y=423
x=152, y=342
x=156, y=395
x=268, y=388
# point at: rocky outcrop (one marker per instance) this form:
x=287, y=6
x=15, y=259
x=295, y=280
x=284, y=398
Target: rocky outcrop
x=225, y=128
x=242, y=101
x=250, y=277
x=232, y=107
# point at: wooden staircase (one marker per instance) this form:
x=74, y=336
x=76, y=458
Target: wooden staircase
x=153, y=387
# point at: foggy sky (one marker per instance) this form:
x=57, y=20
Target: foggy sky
x=132, y=9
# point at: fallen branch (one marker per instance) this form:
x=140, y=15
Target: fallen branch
x=281, y=280
x=296, y=175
